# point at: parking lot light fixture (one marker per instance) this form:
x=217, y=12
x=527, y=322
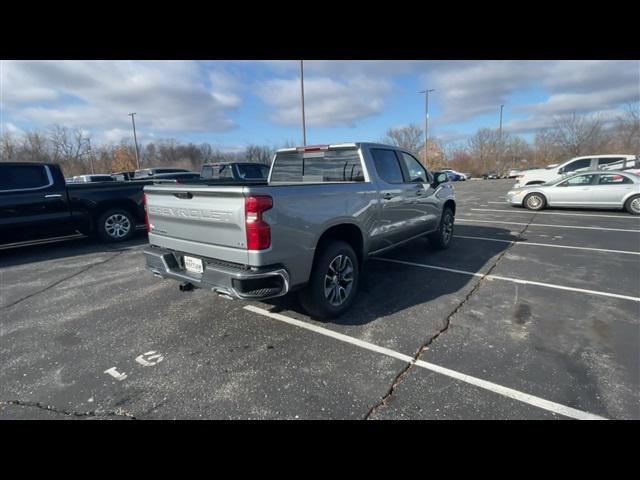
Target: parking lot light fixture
x=426, y=120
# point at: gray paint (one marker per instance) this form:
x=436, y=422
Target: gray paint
x=211, y=222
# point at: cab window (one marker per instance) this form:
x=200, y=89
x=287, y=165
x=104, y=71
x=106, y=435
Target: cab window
x=387, y=165
x=417, y=173
x=577, y=165
x=577, y=181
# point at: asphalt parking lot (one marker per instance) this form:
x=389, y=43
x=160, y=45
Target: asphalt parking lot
x=526, y=316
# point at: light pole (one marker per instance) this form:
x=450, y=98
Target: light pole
x=426, y=121
x=91, y=156
x=135, y=139
x=304, y=128
x=500, y=138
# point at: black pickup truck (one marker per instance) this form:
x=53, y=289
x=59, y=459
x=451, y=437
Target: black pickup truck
x=37, y=204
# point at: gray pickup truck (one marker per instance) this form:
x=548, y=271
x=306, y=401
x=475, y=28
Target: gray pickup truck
x=321, y=213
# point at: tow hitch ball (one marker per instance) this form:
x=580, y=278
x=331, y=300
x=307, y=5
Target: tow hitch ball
x=186, y=287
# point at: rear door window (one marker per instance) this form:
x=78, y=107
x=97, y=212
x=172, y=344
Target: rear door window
x=617, y=163
x=23, y=177
x=612, y=179
x=387, y=165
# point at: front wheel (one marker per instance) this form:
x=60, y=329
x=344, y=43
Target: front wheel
x=441, y=238
x=633, y=205
x=333, y=283
x=535, y=201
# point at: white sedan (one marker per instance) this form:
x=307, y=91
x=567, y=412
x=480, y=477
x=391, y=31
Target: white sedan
x=593, y=189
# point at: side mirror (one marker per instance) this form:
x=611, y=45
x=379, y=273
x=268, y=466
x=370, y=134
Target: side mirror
x=441, y=178
x=560, y=171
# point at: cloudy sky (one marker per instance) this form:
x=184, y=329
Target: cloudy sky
x=233, y=103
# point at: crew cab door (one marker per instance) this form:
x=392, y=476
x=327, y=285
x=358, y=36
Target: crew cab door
x=33, y=203
x=400, y=215
x=423, y=193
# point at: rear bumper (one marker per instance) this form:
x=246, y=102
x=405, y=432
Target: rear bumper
x=229, y=279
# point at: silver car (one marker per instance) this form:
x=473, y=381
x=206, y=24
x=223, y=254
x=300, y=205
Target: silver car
x=592, y=189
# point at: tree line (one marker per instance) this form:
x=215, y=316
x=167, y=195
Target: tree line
x=75, y=152
x=484, y=151
x=571, y=136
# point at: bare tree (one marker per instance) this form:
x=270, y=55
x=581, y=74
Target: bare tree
x=259, y=154
x=410, y=138
x=580, y=134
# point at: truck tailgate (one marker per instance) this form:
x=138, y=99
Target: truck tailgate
x=199, y=219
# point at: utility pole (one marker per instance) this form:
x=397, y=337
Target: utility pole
x=93, y=172
x=135, y=139
x=500, y=139
x=426, y=121
x=304, y=128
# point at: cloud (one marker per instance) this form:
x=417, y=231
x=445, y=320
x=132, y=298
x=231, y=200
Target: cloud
x=328, y=102
x=469, y=89
x=167, y=96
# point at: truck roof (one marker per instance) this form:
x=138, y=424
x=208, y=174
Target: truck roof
x=340, y=145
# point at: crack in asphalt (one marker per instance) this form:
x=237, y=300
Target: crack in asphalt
x=70, y=413
x=396, y=381
x=48, y=287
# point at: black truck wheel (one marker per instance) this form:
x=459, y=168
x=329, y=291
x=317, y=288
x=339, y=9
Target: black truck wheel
x=333, y=283
x=441, y=238
x=115, y=225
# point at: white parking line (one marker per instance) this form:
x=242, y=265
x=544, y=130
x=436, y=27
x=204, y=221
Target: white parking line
x=473, y=220
x=513, y=280
x=492, y=387
x=515, y=210
x=548, y=245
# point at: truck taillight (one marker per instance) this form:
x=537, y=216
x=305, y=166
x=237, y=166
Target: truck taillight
x=146, y=212
x=258, y=231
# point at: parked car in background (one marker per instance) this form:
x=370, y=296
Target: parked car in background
x=577, y=164
x=93, y=178
x=36, y=204
x=458, y=176
x=454, y=177
x=235, y=171
x=324, y=210
x=150, y=172
x=591, y=189
x=490, y=175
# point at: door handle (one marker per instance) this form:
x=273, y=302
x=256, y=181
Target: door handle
x=388, y=196
x=53, y=195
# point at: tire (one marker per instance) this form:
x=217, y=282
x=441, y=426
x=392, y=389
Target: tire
x=115, y=225
x=534, y=201
x=632, y=205
x=333, y=283
x=441, y=238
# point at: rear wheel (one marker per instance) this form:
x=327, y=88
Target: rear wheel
x=441, y=238
x=115, y=225
x=535, y=201
x=333, y=283
x=633, y=205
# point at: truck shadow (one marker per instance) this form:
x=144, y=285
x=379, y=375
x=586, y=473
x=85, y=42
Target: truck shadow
x=389, y=288
x=69, y=248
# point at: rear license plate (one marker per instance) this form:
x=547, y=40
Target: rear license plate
x=192, y=264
